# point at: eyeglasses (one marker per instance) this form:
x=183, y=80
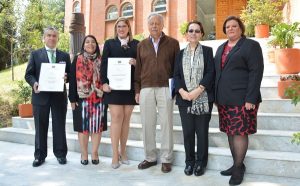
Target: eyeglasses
x=196, y=31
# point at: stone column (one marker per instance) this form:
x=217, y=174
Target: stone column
x=77, y=33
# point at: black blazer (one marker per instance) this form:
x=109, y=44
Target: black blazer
x=239, y=81
x=112, y=48
x=73, y=94
x=32, y=75
x=207, y=81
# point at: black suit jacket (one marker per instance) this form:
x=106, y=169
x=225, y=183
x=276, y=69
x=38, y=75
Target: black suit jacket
x=112, y=48
x=32, y=74
x=239, y=81
x=207, y=81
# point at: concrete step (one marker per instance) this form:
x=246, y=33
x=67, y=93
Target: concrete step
x=274, y=163
x=270, y=80
x=266, y=121
x=274, y=105
x=269, y=92
x=269, y=140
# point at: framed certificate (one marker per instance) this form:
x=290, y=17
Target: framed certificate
x=52, y=77
x=119, y=73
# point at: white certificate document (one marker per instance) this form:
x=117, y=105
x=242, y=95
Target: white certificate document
x=52, y=77
x=119, y=73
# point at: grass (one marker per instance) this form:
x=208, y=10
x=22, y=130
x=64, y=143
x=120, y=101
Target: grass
x=6, y=83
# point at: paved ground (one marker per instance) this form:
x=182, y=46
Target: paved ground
x=16, y=170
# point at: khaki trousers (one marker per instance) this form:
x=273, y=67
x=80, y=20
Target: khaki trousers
x=152, y=100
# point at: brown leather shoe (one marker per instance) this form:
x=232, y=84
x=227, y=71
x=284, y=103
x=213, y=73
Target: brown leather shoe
x=166, y=167
x=146, y=164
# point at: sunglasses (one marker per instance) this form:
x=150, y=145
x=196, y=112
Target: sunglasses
x=196, y=31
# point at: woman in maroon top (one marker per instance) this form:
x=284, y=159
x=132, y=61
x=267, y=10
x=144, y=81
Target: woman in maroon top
x=239, y=70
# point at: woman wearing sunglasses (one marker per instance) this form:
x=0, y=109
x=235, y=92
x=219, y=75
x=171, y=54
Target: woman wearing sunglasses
x=194, y=77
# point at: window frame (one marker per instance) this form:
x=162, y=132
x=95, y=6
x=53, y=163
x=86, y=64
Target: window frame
x=116, y=13
x=155, y=6
x=126, y=11
x=75, y=4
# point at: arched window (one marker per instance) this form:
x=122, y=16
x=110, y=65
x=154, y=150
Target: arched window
x=160, y=6
x=76, y=7
x=127, y=10
x=112, y=13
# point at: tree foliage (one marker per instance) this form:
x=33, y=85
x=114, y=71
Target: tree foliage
x=38, y=15
x=7, y=31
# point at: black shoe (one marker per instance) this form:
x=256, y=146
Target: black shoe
x=188, y=170
x=199, y=170
x=62, y=161
x=95, y=162
x=84, y=162
x=237, y=175
x=37, y=162
x=227, y=172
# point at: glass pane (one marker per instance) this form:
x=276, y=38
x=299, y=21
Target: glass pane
x=112, y=13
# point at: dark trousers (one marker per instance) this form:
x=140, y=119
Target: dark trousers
x=191, y=125
x=41, y=121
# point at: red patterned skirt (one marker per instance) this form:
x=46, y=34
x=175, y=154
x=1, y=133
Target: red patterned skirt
x=236, y=120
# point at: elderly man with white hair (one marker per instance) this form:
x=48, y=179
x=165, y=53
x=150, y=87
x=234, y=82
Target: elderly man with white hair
x=154, y=66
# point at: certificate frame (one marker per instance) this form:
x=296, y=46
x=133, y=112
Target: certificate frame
x=51, y=77
x=119, y=73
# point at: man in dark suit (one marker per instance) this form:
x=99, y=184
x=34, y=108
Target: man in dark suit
x=43, y=102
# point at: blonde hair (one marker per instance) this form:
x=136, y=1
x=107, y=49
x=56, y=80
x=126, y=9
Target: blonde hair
x=126, y=21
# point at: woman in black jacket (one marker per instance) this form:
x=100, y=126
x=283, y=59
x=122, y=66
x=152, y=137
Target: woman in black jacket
x=120, y=102
x=239, y=70
x=194, y=78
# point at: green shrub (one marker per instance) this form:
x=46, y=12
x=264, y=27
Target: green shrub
x=183, y=27
x=23, y=92
x=5, y=113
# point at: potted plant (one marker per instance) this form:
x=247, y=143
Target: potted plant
x=294, y=93
x=285, y=83
x=261, y=15
x=23, y=95
x=286, y=57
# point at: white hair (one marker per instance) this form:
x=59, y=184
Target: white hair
x=154, y=14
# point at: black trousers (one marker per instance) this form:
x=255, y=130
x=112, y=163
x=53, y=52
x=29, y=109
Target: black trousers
x=191, y=125
x=41, y=121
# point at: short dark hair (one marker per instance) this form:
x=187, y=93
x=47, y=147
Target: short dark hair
x=97, y=45
x=237, y=19
x=195, y=22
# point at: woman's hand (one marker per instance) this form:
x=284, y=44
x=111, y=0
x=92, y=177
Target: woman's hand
x=196, y=92
x=106, y=88
x=184, y=94
x=73, y=105
x=132, y=61
x=249, y=106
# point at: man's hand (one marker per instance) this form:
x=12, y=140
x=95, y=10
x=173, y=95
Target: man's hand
x=137, y=98
x=36, y=87
x=66, y=77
